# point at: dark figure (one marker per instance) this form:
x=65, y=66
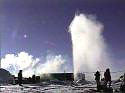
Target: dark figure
x=97, y=78
x=107, y=77
x=33, y=79
x=30, y=80
x=37, y=79
x=122, y=87
x=20, y=77
x=124, y=79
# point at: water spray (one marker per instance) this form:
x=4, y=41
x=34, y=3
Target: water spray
x=89, y=47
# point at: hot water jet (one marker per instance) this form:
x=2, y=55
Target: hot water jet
x=88, y=44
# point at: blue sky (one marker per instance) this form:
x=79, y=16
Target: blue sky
x=41, y=26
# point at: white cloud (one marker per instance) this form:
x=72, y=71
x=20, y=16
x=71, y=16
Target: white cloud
x=52, y=64
x=31, y=65
x=14, y=63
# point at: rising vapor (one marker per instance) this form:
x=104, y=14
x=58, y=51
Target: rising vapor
x=89, y=47
x=31, y=65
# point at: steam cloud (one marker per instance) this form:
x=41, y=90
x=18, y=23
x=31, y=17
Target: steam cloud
x=31, y=65
x=89, y=47
x=89, y=52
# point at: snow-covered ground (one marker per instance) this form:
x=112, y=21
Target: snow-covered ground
x=26, y=88
x=41, y=89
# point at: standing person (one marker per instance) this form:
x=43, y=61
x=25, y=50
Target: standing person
x=122, y=87
x=107, y=77
x=97, y=78
x=20, y=77
x=124, y=79
x=33, y=79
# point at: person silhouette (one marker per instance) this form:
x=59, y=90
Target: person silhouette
x=33, y=79
x=97, y=78
x=122, y=87
x=20, y=77
x=107, y=77
x=124, y=79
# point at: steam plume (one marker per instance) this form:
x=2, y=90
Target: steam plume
x=31, y=65
x=89, y=47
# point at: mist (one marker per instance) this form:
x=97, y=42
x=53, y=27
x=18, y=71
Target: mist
x=88, y=44
x=31, y=65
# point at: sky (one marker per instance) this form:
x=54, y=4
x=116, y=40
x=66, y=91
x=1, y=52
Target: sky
x=39, y=27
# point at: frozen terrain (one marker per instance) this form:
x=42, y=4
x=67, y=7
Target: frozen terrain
x=52, y=88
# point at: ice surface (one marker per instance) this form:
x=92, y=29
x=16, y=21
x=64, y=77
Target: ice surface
x=51, y=88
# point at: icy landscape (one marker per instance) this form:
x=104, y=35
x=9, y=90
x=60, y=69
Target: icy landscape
x=54, y=88
x=88, y=30
x=62, y=46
